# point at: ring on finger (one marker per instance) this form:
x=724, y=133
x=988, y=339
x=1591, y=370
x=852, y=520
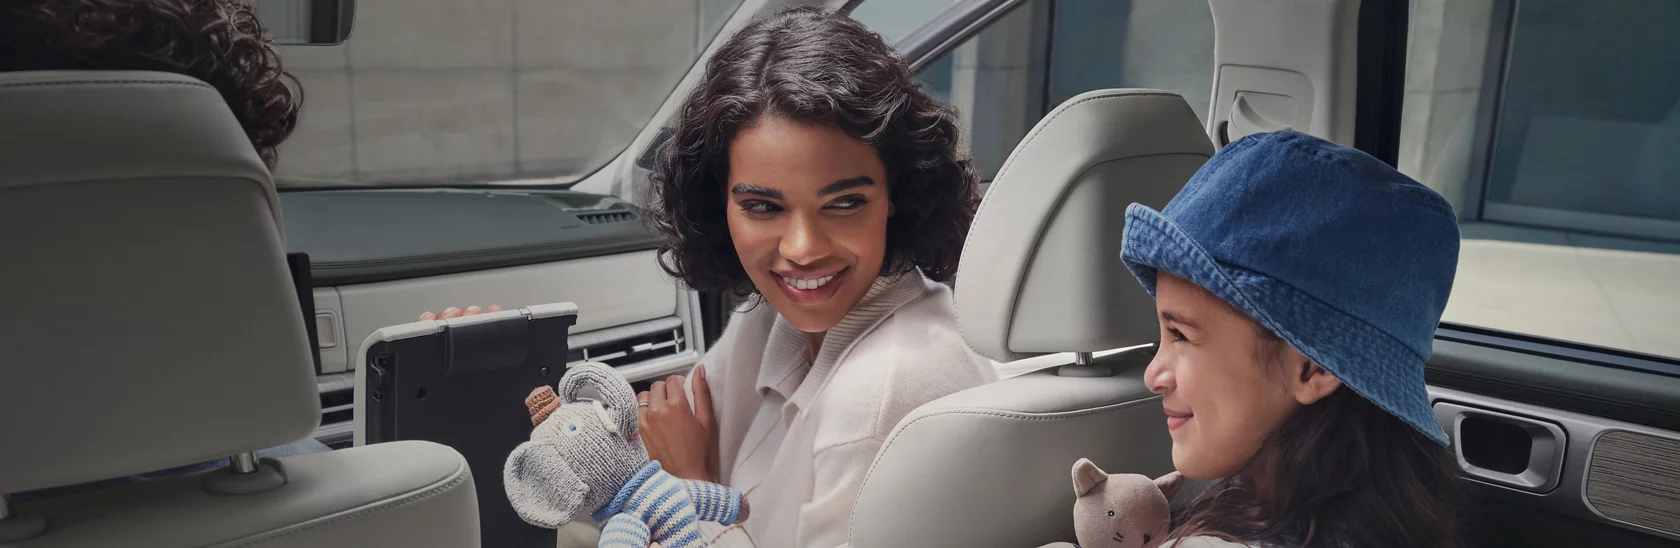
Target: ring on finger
x=642, y=403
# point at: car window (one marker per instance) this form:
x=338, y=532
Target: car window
x=1005, y=78
x=434, y=92
x=1553, y=126
x=895, y=19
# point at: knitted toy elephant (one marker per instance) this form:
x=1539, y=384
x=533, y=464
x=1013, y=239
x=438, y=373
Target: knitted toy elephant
x=585, y=458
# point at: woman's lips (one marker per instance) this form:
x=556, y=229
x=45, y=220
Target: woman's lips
x=811, y=296
x=1175, y=419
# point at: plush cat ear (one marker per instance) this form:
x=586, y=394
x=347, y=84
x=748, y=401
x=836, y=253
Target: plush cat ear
x=543, y=489
x=1086, y=476
x=1170, y=484
x=617, y=397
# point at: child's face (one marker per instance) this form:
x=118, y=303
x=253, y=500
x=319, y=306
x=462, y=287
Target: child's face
x=1225, y=390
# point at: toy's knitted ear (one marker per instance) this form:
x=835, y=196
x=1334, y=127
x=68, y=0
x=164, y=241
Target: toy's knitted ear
x=542, y=402
x=617, y=396
x=1170, y=484
x=542, y=487
x=1086, y=476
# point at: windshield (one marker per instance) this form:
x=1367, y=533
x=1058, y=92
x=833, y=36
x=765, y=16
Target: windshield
x=450, y=92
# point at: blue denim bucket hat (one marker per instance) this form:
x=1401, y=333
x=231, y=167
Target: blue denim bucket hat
x=1334, y=251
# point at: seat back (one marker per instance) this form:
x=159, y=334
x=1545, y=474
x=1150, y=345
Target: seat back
x=151, y=323
x=1041, y=273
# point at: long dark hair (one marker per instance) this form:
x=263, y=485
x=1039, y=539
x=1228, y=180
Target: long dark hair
x=1341, y=472
x=810, y=65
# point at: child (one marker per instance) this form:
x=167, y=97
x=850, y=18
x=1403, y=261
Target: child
x=1298, y=285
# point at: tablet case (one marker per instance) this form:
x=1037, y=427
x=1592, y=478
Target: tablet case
x=462, y=382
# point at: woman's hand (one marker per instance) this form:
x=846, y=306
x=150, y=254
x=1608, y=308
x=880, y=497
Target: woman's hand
x=683, y=440
x=453, y=312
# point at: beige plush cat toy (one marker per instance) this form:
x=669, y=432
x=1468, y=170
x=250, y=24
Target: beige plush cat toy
x=1121, y=510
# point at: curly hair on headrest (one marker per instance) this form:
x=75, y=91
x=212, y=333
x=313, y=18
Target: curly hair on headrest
x=217, y=41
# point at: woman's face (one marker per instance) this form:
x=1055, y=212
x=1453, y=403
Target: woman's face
x=808, y=208
x=1225, y=388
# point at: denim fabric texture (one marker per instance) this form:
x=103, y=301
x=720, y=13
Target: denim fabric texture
x=1334, y=251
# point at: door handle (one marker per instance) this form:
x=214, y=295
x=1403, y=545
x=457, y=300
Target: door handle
x=1505, y=449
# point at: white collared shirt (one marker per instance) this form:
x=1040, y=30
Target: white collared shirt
x=797, y=435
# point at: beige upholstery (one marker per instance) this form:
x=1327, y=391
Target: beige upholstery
x=1048, y=232
x=150, y=323
x=1041, y=273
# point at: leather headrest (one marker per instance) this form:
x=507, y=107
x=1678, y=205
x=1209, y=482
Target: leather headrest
x=149, y=318
x=1041, y=270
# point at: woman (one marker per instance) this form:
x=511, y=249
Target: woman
x=1298, y=285
x=809, y=171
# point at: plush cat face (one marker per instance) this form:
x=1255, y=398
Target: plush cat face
x=1120, y=510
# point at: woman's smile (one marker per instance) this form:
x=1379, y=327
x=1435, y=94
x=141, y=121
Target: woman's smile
x=810, y=289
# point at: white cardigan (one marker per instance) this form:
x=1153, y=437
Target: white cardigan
x=797, y=437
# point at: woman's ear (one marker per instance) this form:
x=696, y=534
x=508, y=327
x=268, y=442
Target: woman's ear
x=1309, y=382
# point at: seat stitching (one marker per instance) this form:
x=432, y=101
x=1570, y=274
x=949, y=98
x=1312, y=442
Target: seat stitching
x=104, y=82
x=379, y=507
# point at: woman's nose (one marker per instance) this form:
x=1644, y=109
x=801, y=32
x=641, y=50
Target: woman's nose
x=804, y=242
x=1159, y=376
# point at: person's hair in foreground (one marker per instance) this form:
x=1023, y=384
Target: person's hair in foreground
x=217, y=41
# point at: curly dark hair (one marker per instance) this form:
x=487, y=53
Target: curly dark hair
x=217, y=41
x=810, y=65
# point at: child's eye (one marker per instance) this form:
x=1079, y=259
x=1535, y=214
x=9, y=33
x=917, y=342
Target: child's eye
x=1176, y=334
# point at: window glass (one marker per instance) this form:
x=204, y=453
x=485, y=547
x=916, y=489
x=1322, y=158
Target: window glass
x=1004, y=79
x=1554, y=128
x=436, y=92
x=895, y=19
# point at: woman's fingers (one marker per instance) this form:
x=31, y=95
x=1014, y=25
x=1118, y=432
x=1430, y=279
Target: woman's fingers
x=702, y=398
x=453, y=312
x=674, y=392
x=656, y=398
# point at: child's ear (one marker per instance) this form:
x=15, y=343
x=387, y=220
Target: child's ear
x=1086, y=476
x=1309, y=382
x=1169, y=484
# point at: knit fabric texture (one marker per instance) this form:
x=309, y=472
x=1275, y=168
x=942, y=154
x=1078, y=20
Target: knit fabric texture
x=587, y=460
x=667, y=509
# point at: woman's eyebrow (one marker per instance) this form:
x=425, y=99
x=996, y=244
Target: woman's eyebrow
x=744, y=188
x=845, y=184
x=1169, y=316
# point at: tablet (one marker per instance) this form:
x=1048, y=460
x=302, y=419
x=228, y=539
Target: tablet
x=462, y=382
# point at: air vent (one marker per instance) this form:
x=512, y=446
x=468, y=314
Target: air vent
x=607, y=217
x=631, y=350
x=338, y=412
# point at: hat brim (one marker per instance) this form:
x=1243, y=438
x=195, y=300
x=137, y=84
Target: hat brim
x=1372, y=363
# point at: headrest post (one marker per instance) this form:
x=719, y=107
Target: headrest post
x=1082, y=367
x=244, y=463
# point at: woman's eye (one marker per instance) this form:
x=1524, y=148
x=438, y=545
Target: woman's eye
x=759, y=207
x=848, y=203
x=1176, y=334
